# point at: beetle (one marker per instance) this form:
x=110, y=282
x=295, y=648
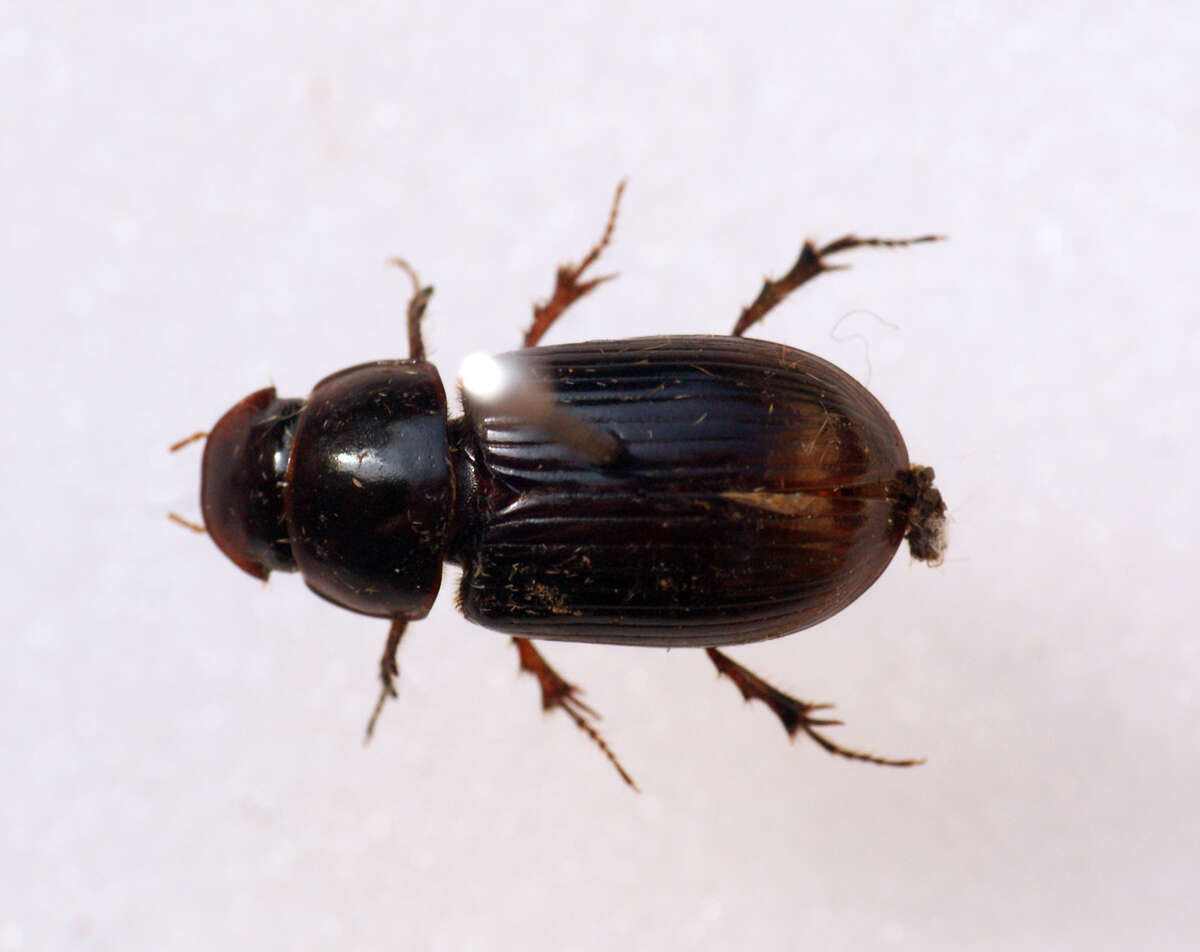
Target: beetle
x=688, y=491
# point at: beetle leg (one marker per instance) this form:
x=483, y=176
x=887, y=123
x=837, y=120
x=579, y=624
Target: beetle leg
x=558, y=692
x=793, y=713
x=811, y=263
x=389, y=670
x=416, y=309
x=567, y=286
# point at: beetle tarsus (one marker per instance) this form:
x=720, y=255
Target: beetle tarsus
x=416, y=309
x=389, y=670
x=567, y=286
x=560, y=693
x=794, y=714
x=809, y=264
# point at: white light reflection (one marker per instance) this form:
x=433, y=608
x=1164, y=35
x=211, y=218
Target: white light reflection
x=483, y=376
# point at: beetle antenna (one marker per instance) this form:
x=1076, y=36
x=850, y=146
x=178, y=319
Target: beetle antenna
x=180, y=444
x=186, y=523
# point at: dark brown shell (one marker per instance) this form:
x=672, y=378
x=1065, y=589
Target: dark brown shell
x=763, y=491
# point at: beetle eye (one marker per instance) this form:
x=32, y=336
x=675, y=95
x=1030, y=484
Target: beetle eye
x=241, y=489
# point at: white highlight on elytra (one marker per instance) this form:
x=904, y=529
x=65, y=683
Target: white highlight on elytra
x=483, y=376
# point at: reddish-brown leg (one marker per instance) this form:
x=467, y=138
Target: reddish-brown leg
x=416, y=309
x=567, y=285
x=556, y=690
x=560, y=693
x=811, y=263
x=389, y=670
x=794, y=713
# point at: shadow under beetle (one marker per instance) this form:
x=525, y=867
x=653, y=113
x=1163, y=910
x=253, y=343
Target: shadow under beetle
x=663, y=491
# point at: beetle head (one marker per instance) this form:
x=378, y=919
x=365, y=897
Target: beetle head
x=244, y=474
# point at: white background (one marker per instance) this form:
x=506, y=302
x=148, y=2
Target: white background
x=198, y=199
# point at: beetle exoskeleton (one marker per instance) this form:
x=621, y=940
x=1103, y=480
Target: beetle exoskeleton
x=756, y=490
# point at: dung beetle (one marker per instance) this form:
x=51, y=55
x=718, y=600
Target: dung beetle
x=689, y=491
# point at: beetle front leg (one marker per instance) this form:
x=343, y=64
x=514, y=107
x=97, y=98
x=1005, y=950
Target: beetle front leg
x=558, y=692
x=794, y=714
x=811, y=263
x=567, y=286
x=416, y=309
x=389, y=670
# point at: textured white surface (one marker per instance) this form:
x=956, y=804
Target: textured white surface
x=200, y=198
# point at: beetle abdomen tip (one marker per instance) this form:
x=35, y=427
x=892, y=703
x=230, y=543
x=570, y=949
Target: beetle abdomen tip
x=926, y=533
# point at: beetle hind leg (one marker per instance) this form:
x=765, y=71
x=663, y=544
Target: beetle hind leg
x=794, y=714
x=560, y=693
x=811, y=263
x=568, y=288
